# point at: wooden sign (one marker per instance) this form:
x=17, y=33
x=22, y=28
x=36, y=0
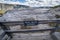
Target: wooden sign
x=30, y=23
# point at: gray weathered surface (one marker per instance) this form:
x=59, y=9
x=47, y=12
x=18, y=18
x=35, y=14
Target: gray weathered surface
x=32, y=36
x=32, y=14
x=29, y=14
x=56, y=35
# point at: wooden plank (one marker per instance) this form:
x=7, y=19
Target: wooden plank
x=30, y=23
x=4, y=27
x=5, y=37
x=29, y=30
x=2, y=35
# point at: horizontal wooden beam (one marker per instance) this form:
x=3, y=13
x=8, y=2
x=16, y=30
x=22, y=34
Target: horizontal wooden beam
x=29, y=30
x=33, y=22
